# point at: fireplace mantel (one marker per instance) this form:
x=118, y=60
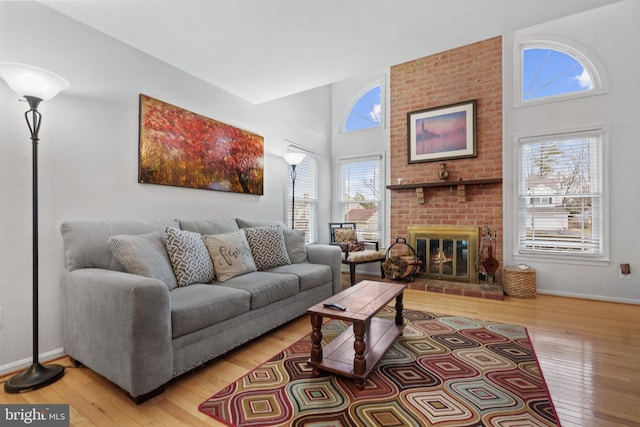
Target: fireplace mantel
x=460, y=184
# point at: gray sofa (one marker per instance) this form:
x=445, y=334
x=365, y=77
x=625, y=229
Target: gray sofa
x=142, y=330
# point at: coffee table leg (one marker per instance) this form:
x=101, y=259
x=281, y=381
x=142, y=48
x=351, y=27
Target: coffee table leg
x=399, y=309
x=359, y=345
x=316, y=342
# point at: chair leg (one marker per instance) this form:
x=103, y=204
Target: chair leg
x=352, y=273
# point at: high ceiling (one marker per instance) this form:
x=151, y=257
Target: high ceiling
x=261, y=50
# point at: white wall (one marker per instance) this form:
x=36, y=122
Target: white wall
x=361, y=143
x=89, y=155
x=609, y=34
x=311, y=110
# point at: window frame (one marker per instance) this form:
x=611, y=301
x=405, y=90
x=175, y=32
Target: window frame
x=601, y=258
x=311, y=234
x=579, y=53
x=378, y=81
x=341, y=202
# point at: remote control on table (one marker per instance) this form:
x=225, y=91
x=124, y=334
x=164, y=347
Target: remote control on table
x=335, y=306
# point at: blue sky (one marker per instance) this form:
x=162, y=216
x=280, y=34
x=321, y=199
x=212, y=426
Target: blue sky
x=366, y=111
x=550, y=72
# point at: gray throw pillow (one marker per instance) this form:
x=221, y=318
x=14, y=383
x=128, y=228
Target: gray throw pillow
x=267, y=246
x=248, y=223
x=230, y=253
x=189, y=257
x=144, y=255
x=296, y=247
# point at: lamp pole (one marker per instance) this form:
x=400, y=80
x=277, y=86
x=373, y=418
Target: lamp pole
x=293, y=159
x=293, y=196
x=41, y=85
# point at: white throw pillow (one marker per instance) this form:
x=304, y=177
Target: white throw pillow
x=230, y=253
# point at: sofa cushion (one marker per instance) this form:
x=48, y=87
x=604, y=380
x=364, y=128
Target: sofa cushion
x=189, y=257
x=264, y=287
x=209, y=226
x=144, y=255
x=230, y=253
x=200, y=305
x=85, y=242
x=267, y=246
x=309, y=275
x=366, y=255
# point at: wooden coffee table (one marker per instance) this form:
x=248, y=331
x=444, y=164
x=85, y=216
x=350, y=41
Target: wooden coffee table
x=356, y=351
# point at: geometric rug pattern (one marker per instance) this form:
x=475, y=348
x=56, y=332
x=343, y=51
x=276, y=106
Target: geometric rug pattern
x=442, y=371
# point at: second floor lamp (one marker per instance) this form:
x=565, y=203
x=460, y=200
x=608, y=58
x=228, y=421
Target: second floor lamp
x=293, y=159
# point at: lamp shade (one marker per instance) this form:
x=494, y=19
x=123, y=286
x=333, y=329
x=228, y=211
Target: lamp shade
x=27, y=80
x=294, y=159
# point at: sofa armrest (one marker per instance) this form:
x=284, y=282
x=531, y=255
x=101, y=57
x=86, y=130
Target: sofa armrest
x=330, y=255
x=119, y=325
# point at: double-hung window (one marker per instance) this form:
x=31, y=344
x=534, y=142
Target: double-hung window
x=306, y=198
x=561, y=210
x=360, y=196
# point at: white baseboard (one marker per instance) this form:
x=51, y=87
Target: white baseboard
x=19, y=365
x=587, y=296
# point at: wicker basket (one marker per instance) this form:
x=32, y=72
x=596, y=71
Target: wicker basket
x=519, y=281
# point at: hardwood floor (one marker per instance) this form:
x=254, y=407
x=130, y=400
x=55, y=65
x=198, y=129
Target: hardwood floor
x=588, y=352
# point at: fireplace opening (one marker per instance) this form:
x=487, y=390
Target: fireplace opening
x=446, y=252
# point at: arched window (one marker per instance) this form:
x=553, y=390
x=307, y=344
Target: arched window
x=552, y=70
x=367, y=110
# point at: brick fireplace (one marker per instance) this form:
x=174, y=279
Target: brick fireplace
x=472, y=72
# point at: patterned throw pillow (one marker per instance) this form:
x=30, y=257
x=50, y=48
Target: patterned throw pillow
x=346, y=238
x=267, y=246
x=344, y=235
x=144, y=255
x=189, y=257
x=230, y=253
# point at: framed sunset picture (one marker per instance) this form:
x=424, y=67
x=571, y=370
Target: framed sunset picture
x=442, y=133
x=184, y=149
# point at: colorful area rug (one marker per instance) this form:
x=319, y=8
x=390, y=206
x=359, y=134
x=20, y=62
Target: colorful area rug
x=443, y=371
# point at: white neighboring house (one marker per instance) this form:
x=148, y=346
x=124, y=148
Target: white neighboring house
x=546, y=204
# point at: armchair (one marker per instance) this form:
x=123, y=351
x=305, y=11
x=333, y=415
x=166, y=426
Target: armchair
x=354, y=251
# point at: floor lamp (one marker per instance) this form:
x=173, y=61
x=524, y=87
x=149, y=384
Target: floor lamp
x=34, y=85
x=293, y=159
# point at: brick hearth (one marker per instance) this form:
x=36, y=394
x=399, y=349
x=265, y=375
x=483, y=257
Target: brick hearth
x=452, y=288
x=485, y=291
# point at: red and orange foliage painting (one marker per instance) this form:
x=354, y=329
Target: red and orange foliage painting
x=184, y=149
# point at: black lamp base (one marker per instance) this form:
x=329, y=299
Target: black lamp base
x=36, y=376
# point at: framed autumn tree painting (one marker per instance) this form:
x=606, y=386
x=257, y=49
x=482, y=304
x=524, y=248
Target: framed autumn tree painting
x=184, y=149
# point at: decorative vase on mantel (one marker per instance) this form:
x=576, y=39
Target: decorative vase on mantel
x=443, y=173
